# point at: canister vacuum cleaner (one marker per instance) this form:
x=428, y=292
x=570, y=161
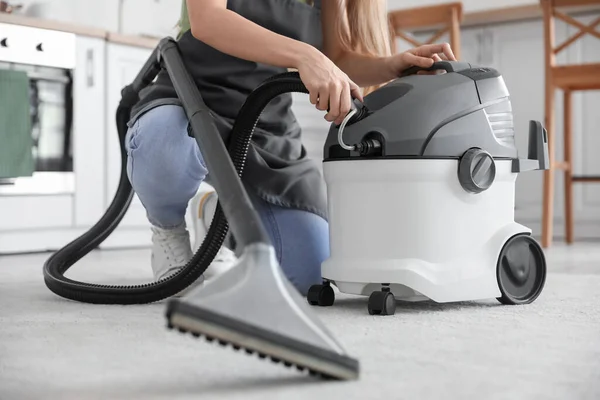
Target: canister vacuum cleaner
x=421, y=194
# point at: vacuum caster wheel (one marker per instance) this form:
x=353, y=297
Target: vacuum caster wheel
x=321, y=295
x=521, y=270
x=382, y=303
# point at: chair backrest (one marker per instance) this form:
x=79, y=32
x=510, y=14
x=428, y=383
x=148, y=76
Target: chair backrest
x=555, y=9
x=574, y=3
x=446, y=18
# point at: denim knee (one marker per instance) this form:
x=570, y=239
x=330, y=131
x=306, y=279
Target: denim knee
x=301, y=241
x=164, y=165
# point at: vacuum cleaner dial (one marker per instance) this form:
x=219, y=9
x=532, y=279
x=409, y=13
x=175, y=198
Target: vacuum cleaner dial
x=476, y=170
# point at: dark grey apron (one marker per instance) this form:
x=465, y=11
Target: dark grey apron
x=277, y=169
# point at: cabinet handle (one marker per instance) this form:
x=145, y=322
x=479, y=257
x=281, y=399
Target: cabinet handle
x=90, y=67
x=489, y=47
x=479, y=48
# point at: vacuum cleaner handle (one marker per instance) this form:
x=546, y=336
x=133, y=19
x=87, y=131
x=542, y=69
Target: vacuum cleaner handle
x=448, y=66
x=537, y=152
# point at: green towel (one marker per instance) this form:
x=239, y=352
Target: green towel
x=16, y=158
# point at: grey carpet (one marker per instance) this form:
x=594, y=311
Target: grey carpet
x=55, y=349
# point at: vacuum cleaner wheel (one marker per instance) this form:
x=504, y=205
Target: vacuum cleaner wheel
x=521, y=270
x=321, y=295
x=382, y=303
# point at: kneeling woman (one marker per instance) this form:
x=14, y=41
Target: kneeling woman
x=341, y=48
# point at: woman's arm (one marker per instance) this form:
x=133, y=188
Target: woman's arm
x=371, y=71
x=212, y=23
x=367, y=70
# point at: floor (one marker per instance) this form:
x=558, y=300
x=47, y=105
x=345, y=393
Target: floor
x=55, y=349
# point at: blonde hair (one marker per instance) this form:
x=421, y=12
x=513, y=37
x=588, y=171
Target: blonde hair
x=364, y=28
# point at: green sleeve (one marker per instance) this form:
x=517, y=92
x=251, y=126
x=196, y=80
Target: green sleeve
x=184, y=20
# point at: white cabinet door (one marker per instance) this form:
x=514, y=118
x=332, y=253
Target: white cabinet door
x=45, y=214
x=124, y=62
x=314, y=126
x=89, y=130
x=70, y=200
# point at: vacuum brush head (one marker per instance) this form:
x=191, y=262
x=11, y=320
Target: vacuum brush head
x=261, y=312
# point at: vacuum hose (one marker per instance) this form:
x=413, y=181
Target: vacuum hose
x=58, y=264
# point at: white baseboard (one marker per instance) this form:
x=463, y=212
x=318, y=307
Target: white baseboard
x=41, y=240
x=583, y=230
x=46, y=240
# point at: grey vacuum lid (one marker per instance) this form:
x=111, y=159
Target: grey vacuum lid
x=435, y=116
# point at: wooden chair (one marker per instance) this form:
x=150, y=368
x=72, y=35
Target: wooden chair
x=446, y=18
x=568, y=78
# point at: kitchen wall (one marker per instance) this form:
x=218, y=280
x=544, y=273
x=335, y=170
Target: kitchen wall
x=145, y=17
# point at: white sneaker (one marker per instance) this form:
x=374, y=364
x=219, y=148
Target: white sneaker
x=202, y=210
x=171, y=251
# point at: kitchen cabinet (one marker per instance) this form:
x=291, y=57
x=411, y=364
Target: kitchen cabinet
x=123, y=64
x=89, y=131
x=48, y=210
x=68, y=205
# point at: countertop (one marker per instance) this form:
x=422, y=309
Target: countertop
x=486, y=17
x=133, y=40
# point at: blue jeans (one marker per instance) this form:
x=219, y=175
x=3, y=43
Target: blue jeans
x=165, y=168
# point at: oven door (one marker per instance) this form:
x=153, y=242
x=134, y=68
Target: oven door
x=48, y=58
x=51, y=114
x=32, y=206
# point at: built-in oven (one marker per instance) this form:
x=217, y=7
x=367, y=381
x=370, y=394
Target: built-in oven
x=48, y=58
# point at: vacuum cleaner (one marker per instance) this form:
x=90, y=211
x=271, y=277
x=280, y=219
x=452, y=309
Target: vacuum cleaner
x=253, y=307
x=421, y=195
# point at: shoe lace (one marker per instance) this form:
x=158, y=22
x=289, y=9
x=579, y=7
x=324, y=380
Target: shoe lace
x=174, y=244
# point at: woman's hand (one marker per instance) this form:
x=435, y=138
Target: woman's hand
x=330, y=89
x=422, y=56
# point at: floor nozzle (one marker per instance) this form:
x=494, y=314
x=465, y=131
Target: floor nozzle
x=253, y=306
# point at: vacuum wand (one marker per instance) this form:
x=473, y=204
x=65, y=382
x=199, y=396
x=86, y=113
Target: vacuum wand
x=243, y=218
x=231, y=309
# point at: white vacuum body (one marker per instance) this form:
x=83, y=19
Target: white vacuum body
x=409, y=223
x=421, y=195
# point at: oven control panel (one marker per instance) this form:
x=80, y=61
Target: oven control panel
x=35, y=46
